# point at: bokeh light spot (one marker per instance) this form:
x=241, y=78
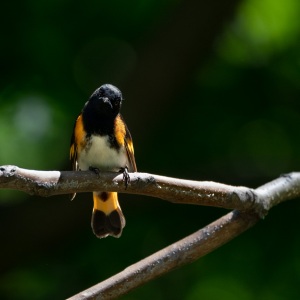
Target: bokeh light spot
x=32, y=118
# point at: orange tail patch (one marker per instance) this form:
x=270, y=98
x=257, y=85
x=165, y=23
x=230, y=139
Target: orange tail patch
x=107, y=217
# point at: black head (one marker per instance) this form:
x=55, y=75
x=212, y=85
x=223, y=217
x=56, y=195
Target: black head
x=106, y=100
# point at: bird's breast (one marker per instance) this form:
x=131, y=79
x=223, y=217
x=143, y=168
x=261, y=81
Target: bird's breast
x=100, y=154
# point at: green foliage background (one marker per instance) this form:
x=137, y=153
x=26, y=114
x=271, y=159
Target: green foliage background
x=209, y=100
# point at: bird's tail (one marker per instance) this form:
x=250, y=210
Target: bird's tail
x=107, y=217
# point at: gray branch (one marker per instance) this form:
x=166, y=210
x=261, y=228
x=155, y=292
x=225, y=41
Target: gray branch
x=172, y=257
x=249, y=206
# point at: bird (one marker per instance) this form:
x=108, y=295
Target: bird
x=101, y=141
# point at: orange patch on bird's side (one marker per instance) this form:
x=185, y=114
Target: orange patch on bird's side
x=79, y=133
x=120, y=130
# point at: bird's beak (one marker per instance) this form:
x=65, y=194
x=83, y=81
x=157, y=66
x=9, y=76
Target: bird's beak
x=107, y=102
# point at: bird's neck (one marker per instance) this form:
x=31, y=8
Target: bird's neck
x=95, y=122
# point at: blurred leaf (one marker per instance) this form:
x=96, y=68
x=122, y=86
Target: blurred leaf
x=261, y=29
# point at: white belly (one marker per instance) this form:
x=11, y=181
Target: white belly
x=100, y=155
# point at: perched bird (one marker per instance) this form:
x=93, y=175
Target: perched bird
x=101, y=141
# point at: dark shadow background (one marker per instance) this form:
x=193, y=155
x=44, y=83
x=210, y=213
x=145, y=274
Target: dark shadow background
x=211, y=92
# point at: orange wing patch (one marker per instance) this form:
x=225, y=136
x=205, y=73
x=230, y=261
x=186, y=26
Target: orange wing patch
x=77, y=141
x=120, y=130
x=123, y=138
x=130, y=151
x=72, y=151
x=129, y=144
x=79, y=133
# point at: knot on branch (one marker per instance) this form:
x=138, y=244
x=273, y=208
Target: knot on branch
x=247, y=199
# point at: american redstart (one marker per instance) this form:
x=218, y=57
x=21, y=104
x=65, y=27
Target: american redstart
x=101, y=141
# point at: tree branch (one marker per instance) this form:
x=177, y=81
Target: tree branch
x=172, y=257
x=197, y=244
x=50, y=183
x=249, y=204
